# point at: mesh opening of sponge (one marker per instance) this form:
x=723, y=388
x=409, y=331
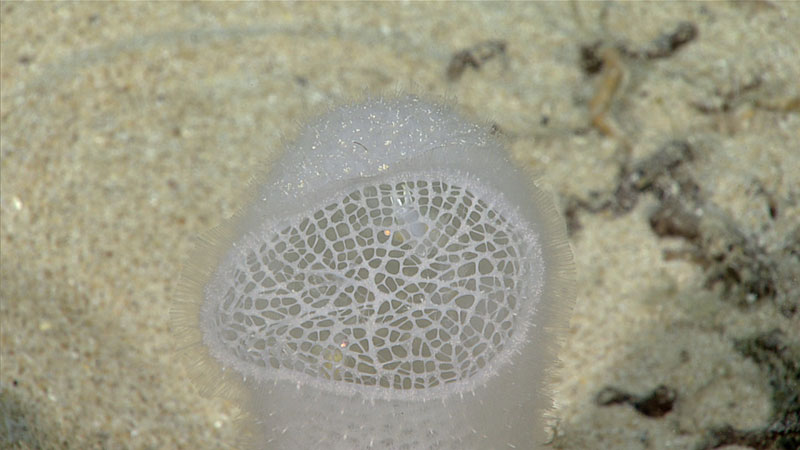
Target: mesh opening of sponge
x=398, y=286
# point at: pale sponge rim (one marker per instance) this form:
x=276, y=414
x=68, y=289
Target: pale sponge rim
x=531, y=264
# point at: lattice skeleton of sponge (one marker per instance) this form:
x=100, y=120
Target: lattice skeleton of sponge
x=400, y=288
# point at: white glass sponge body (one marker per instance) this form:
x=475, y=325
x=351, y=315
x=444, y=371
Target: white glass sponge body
x=397, y=283
x=407, y=287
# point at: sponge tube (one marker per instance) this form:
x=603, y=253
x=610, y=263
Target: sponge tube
x=396, y=283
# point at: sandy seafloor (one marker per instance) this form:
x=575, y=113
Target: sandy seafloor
x=127, y=129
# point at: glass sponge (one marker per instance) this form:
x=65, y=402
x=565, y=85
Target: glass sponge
x=396, y=282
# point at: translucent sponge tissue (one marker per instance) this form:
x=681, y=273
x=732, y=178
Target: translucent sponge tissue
x=395, y=283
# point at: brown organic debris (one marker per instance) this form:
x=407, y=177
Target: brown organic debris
x=656, y=403
x=781, y=361
x=474, y=57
